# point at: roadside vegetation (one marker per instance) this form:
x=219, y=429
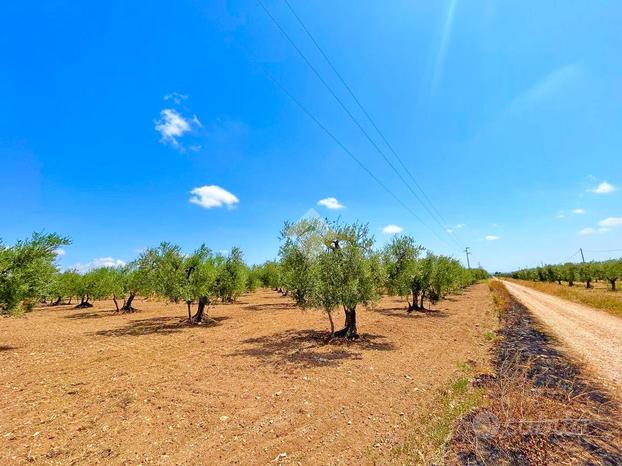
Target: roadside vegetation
x=594, y=284
x=540, y=407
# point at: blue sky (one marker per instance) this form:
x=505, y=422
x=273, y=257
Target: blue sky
x=123, y=124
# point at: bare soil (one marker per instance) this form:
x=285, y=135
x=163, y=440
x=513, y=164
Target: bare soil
x=258, y=386
x=590, y=334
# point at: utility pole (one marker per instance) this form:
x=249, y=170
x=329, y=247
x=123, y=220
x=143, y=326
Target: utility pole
x=467, y=251
x=582, y=256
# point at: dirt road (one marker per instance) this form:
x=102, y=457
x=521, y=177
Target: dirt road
x=592, y=335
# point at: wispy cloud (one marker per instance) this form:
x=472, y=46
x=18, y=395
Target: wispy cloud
x=611, y=222
x=98, y=263
x=560, y=214
x=173, y=125
x=213, y=196
x=444, y=45
x=176, y=97
x=603, y=188
x=60, y=252
x=451, y=229
x=392, y=229
x=553, y=83
x=591, y=231
x=330, y=203
x=492, y=238
x=578, y=211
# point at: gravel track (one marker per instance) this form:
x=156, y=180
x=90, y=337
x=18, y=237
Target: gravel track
x=590, y=334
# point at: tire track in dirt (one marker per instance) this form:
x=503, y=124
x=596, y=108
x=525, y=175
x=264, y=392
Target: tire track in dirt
x=591, y=334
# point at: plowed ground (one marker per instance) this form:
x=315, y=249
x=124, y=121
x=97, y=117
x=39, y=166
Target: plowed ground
x=258, y=386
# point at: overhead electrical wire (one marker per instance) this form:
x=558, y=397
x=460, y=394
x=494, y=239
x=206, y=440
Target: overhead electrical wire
x=349, y=152
x=432, y=210
x=352, y=117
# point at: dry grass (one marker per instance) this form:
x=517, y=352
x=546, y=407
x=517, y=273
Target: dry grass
x=599, y=297
x=540, y=408
x=431, y=430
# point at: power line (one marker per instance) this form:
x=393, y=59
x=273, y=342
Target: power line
x=348, y=112
x=574, y=254
x=349, y=152
x=604, y=250
x=367, y=115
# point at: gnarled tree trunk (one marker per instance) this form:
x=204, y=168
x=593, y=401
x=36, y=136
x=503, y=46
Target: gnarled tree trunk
x=414, y=306
x=349, y=329
x=127, y=307
x=84, y=302
x=200, y=315
x=116, y=304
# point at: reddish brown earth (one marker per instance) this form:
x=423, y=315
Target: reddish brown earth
x=257, y=387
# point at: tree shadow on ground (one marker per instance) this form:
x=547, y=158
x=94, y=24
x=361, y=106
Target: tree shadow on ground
x=310, y=348
x=158, y=325
x=402, y=313
x=91, y=315
x=7, y=348
x=270, y=307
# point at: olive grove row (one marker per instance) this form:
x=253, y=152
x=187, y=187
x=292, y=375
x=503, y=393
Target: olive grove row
x=588, y=272
x=330, y=266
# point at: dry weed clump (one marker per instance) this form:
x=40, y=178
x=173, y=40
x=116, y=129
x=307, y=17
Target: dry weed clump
x=539, y=409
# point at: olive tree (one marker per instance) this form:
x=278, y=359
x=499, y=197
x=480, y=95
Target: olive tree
x=64, y=286
x=200, y=286
x=107, y=283
x=231, y=280
x=612, y=271
x=401, y=259
x=302, y=242
x=270, y=275
x=346, y=273
x=26, y=269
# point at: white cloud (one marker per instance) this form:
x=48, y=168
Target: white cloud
x=392, y=229
x=107, y=262
x=455, y=227
x=60, y=252
x=173, y=125
x=604, y=230
x=97, y=263
x=213, y=196
x=560, y=214
x=603, y=188
x=578, y=211
x=554, y=83
x=611, y=222
x=587, y=231
x=330, y=203
x=491, y=238
x=175, y=97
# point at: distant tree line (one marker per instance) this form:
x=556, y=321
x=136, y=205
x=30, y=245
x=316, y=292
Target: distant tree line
x=321, y=264
x=609, y=271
